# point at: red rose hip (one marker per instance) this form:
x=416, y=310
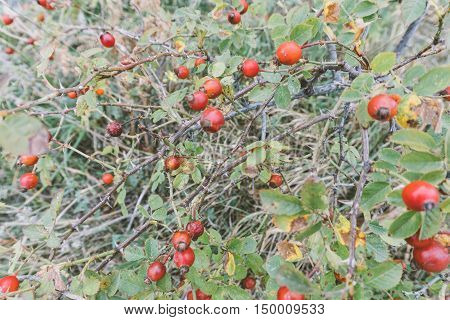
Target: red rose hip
x=107, y=40
x=182, y=72
x=416, y=243
x=156, y=271
x=285, y=294
x=249, y=283
x=244, y=5
x=28, y=180
x=199, y=295
x=433, y=258
x=212, y=120
x=289, y=53
x=7, y=20
x=29, y=160
x=107, y=178
x=198, y=100
x=184, y=259
x=172, y=163
x=9, y=284
x=250, y=68
x=276, y=180
x=195, y=229
x=420, y=195
x=383, y=107
x=234, y=17
x=181, y=240
x=213, y=88
x=114, y=129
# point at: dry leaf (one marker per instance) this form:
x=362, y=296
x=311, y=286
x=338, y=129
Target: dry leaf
x=290, y=223
x=331, y=11
x=289, y=251
x=342, y=230
x=357, y=27
x=417, y=113
x=53, y=274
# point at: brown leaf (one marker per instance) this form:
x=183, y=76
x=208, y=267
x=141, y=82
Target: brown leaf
x=52, y=273
x=331, y=11
x=357, y=27
x=289, y=251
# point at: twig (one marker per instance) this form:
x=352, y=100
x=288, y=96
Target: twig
x=355, y=207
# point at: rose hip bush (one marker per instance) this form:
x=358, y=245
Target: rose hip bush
x=224, y=149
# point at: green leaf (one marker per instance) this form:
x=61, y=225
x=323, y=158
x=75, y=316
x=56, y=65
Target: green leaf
x=133, y=253
x=275, y=20
x=174, y=98
x=384, y=276
x=155, y=201
x=151, y=248
x=273, y=264
x=90, y=286
x=350, y=94
x=301, y=33
x=405, y=225
x=433, y=81
x=255, y=262
x=274, y=202
x=309, y=231
x=248, y=245
x=165, y=284
x=180, y=180
x=413, y=74
x=415, y=139
x=362, y=115
x=314, y=195
x=365, y=8
x=420, y=162
x=431, y=223
x=130, y=283
x=236, y=293
x=377, y=247
x=294, y=279
x=412, y=9
x=434, y=177
x=383, y=62
x=260, y=94
x=390, y=155
x=282, y=97
x=373, y=194
x=257, y=156
x=363, y=82
x=217, y=69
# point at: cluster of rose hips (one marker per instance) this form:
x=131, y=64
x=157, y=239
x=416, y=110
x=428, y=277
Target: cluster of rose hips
x=429, y=254
x=234, y=16
x=184, y=256
x=28, y=180
x=7, y=20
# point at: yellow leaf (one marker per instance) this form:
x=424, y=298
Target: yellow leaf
x=180, y=45
x=343, y=224
x=331, y=11
x=230, y=265
x=289, y=251
x=290, y=223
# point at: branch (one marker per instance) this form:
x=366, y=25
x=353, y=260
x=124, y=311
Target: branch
x=355, y=207
x=203, y=186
